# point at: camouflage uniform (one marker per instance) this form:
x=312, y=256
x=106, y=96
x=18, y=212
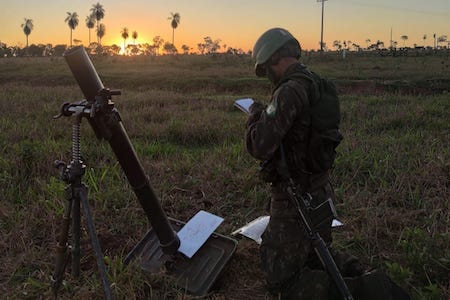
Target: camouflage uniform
x=287, y=257
x=291, y=266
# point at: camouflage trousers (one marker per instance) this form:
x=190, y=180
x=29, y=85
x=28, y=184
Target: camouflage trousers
x=293, y=270
x=288, y=260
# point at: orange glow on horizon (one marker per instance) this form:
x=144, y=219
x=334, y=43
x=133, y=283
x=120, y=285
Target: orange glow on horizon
x=237, y=24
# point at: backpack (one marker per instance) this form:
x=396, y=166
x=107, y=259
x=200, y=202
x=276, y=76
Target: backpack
x=324, y=134
x=325, y=118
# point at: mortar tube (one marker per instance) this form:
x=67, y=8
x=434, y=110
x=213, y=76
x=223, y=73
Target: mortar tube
x=134, y=171
x=85, y=74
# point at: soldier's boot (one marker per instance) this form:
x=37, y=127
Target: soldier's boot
x=309, y=285
x=373, y=285
x=348, y=265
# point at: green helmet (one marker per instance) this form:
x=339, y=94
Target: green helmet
x=268, y=43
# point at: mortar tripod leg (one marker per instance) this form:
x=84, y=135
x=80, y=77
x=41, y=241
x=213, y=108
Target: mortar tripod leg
x=95, y=242
x=76, y=234
x=62, y=253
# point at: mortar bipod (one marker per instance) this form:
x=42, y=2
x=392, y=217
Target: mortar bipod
x=76, y=196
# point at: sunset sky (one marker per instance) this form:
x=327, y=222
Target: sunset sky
x=236, y=23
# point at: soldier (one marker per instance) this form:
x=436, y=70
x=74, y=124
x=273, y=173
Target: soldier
x=288, y=260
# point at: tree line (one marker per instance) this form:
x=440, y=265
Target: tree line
x=440, y=42
x=159, y=46
x=93, y=20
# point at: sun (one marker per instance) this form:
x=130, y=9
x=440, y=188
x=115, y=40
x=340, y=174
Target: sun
x=141, y=40
x=119, y=42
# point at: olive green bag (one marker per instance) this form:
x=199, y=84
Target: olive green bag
x=325, y=118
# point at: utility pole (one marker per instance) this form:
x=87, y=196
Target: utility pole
x=321, y=30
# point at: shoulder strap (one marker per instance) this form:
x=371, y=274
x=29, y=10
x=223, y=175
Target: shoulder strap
x=310, y=76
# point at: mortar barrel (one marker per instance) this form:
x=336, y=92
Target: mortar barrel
x=85, y=74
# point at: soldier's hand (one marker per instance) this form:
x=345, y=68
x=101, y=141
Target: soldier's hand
x=256, y=108
x=255, y=112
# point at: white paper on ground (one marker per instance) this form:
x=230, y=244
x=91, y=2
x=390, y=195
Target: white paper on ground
x=336, y=223
x=196, y=231
x=256, y=228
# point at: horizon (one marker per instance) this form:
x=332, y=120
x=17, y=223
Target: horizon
x=235, y=24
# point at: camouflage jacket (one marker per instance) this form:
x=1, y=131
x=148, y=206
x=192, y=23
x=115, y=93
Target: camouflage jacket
x=286, y=120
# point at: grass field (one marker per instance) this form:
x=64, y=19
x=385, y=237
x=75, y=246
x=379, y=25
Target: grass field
x=391, y=175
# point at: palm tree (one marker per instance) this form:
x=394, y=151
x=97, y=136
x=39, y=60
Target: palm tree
x=424, y=38
x=404, y=38
x=72, y=20
x=98, y=12
x=134, y=36
x=125, y=35
x=27, y=27
x=90, y=23
x=101, y=30
x=175, y=21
